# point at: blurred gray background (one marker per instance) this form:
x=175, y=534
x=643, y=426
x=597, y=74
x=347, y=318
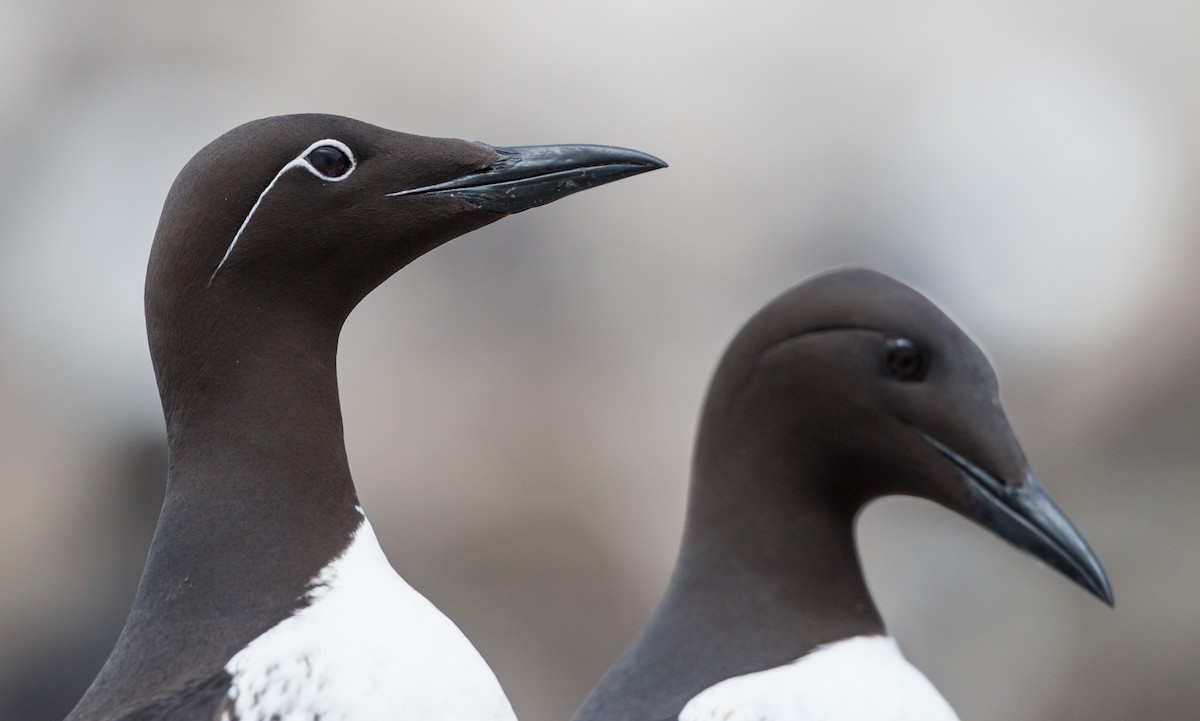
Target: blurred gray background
x=1031, y=167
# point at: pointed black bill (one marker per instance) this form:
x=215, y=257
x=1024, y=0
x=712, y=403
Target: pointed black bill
x=1026, y=517
x=529, y=176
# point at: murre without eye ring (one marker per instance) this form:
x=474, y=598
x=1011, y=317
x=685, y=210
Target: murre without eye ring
x=317, y=154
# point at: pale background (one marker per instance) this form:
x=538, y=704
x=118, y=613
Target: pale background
x=1032, y=168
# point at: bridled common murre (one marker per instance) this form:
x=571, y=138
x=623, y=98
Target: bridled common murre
x=848, y=387
x=265, y=595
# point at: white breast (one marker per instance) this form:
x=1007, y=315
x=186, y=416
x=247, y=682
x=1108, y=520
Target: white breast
x=366, y=648
x=859, y=679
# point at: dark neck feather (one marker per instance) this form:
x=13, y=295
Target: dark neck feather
x=767, y=571
x=259, y=499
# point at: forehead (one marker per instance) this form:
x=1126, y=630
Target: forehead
x=859, y=299
x=854, y=299
x=271, y=142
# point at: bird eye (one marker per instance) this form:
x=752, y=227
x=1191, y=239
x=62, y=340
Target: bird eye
x=329, y=161
x=905, y=361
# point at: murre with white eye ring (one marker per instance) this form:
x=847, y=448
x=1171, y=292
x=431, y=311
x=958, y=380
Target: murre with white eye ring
x=265, y=594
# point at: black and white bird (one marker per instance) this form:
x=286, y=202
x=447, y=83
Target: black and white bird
x=265, y=595
x=847, y=387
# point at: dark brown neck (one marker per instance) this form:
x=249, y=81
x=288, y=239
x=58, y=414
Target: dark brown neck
x=774, y=577
x=258, y=464
x=258, y=500
x=767, y=571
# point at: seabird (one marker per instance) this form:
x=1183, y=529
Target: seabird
x=847, y=387
x=265, y=595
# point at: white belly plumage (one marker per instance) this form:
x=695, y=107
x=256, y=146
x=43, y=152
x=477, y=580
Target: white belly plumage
x=864, y=678
x=367, y=647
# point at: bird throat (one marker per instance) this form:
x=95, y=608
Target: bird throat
x=259, y=499
x=756, y=586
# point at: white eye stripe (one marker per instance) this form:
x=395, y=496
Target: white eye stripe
x=300, y=161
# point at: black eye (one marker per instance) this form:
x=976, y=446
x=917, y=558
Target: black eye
x=905, y=361
x=329, y=161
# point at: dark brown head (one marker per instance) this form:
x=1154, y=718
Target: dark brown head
x=290, y=221
x=864, y=388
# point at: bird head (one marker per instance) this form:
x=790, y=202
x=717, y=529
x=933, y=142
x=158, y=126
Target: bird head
x=866, y=389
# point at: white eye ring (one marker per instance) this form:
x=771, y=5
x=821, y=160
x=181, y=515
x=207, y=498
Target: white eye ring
x=300, y=161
